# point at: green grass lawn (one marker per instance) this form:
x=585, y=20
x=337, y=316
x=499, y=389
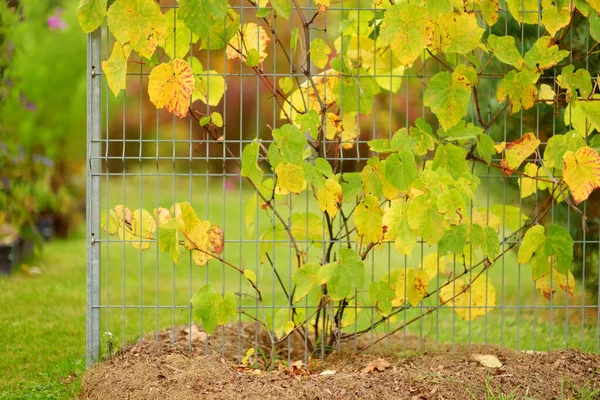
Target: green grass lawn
x=42, y=318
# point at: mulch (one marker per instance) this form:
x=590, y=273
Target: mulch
x=167, y=369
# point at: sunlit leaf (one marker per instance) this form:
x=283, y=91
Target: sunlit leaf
x=517, y=151
x=170, y=87
x=505, y=50
x=330, y=197
x=544, y=54
x=519, y=88
x=115, y=68
x=448, y=96
x=249, y=37
x=90, y=14
x=459, y=32
x=581, y=172
x=368, y=218
x=469, y=301
x=138, y=23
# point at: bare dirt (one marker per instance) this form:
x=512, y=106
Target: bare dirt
x=161, y=370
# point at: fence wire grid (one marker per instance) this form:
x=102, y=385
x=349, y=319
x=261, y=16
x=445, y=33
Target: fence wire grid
x=144, y=158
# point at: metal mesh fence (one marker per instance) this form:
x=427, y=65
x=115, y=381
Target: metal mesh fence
x=145, y=158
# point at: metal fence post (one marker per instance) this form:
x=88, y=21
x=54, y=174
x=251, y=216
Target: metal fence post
x=94, y=127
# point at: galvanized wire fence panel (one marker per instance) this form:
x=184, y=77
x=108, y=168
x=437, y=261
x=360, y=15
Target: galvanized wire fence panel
x=145, y=158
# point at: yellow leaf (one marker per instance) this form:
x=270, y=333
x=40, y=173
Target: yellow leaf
x=250, y=37
x=170, y=86
x=250, y=275
x=115, y=68
x=409, y=285
x=582, y=172
x=517, y=151
x=217, y=240
x=330, y=196
x=473, y=302
x=546, y=93
x=431, y=264
x=199, y=240
x=547, y=283
x=290, y=178
x=143, y=226
x=531, y=185
x=322, y=4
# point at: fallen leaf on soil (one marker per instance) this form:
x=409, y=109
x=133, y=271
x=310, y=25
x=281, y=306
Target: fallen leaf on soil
x=196, y=334
x=328, y=372
x=487, y=360
x=377, y=365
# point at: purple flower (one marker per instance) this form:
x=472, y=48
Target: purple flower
x=55, y=21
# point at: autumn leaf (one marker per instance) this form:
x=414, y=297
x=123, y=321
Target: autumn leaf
x=170, y=87
x=469, y=301
x=519, y=88
x=517, y=151
x=548, y=283
x=115, y=68
x=368, y=218
x=408, y=29
x=582, y=172
x=90, y=14
x=329, y=197
x=139, y=23
x=249, y=37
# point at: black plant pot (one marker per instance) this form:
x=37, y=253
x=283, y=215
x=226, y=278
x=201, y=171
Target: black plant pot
x=45, y=226
x=25, y=249
x=10, y=256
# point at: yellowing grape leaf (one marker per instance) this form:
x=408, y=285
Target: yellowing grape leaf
x=519, y=88
x=548, y=283
x=305, y=279
x=249, y=37
x=409, y=284
x=115, y=68
x=203, y=17
x=424, y=218
x=395, y=228
x=529, y=185
x=139, y=23
x=319, y=52
x=290, y=177
x=558, y=145
x=574, y=81
x=368, y=218
x=170, y=87
x=555, y=18
x=431, y=264
x=582, y=172
x=217, y=240
x=380, y=295
x=408, y=29
x=469, y=302
x=323, y=5
x=143, y=227
x=199, y=240
x=330, y=197
x=448, y=97
x=524, y=10
x=209, y=86
x=505, y=50
x=459, y=32
x=584, y=116
x=90, y=14
x=544, y=54
x=517, y=151
x=178, y=37
x=212, y=308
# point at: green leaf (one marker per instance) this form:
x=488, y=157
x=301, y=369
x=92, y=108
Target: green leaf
x=448, y=96
x=454, y=240
x=381, y=295
x=305, y=279
x=519, y=88
x=584, y=116
x=574, y=81
x=291, y=143
x=263, y=12
x=371, y=182
x=281, y=7
x=221, y=32
x=178, y=38
x=250, y=212
x=505, y=50
x=250, y=168
x=90, y=14
x=401, y=170
x=309, y=122
x=307, y=226
x=487, y=239
x=452, y=205
x=209, y=85
x=203, y=16
x=558, y=145
x=460, y=33
x=595, y=27
x=253, y=58
x=424, y=218
x=544, y=54
x=355, y=93
x=485, y=148
x=351, y=186
x=395, y=227
x=139, y=23
x=319, y=52
x=461, y=131
x=343, y=276
x=212, y=309
x=168, y=239
x=559, y=243
x=450, y=158
x=408, y=29
x=531, y=243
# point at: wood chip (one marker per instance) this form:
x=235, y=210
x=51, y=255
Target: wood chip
x=487, y=360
